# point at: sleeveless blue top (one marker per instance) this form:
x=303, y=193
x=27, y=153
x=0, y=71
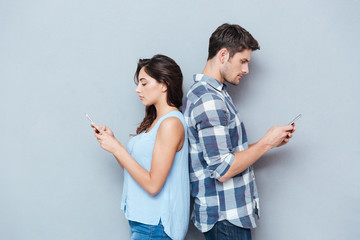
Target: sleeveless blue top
x=171, y=205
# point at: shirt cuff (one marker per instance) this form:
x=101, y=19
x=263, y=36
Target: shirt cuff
x=218, y=170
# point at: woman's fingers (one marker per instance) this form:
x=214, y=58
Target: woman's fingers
x=98, y=136
x=96, y=127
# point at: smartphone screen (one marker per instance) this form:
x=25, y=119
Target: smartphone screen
x=92, y=122
x=296, y=118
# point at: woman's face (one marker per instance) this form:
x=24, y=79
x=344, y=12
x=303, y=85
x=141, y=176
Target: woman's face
x=150, y=91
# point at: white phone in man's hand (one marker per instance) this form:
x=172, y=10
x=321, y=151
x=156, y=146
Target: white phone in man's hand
x=296, y=118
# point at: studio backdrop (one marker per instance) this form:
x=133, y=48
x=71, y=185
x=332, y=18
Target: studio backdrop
x=60, y=59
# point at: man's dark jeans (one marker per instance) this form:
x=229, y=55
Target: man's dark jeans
x=224, y=230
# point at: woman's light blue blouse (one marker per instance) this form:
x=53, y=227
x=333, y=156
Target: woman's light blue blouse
x=171, y=204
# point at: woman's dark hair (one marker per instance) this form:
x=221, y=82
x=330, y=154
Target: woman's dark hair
x=232, y=37
x=164, y=70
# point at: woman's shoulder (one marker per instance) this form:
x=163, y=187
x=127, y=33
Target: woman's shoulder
x=171, y=123
x=173, y=115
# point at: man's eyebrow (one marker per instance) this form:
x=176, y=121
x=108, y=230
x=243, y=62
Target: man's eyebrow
x=245, y=59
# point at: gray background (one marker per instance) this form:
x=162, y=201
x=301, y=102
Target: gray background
x=60, y=59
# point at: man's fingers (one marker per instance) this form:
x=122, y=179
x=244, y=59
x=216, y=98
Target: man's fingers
x=288, y=128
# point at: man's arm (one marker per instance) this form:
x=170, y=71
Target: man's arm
x=275, y=137
x=210, y=116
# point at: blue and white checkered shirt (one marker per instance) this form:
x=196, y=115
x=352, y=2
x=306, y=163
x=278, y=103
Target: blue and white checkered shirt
x=216, y=132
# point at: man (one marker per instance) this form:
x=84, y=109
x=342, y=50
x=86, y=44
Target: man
x=221, y=173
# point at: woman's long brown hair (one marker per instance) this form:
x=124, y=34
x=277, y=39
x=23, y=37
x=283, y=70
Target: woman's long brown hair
x=164, y=70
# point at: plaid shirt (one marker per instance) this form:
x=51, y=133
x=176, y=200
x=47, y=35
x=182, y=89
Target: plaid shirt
x=216, y=132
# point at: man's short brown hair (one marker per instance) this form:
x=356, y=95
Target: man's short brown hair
x=232, y=37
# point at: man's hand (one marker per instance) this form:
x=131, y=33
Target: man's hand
x=278, y=136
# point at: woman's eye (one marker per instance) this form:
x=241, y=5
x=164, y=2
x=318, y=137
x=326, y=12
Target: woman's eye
x=144, y=84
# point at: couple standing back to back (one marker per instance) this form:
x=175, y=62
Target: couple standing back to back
x=206, y=146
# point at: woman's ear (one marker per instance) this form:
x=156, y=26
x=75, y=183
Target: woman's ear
x=164, y=87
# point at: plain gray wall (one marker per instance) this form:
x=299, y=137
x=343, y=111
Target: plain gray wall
x=60, y=59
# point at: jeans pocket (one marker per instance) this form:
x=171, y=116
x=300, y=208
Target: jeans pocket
x=139, y=227
x=223, y=229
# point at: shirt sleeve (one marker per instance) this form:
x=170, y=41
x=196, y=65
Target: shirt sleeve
x=211, y=122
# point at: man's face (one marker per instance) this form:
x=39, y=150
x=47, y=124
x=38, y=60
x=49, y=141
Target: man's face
x=234, y=68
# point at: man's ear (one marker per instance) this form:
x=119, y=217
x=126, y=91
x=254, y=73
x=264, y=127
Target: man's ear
x=223, y=55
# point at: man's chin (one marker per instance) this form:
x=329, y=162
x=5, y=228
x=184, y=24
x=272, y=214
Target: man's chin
x=235, y=82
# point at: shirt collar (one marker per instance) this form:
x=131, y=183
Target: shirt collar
x=211, y=81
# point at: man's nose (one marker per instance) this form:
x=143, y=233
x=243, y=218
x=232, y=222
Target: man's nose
x=245, y=69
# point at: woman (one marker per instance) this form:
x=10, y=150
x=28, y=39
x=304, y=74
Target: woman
x=156, y=182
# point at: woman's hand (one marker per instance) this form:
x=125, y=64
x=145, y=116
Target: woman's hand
x=106, y=138
x=104, y=128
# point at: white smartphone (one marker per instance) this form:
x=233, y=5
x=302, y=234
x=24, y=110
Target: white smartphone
x=296, y=118
x=91, y=121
